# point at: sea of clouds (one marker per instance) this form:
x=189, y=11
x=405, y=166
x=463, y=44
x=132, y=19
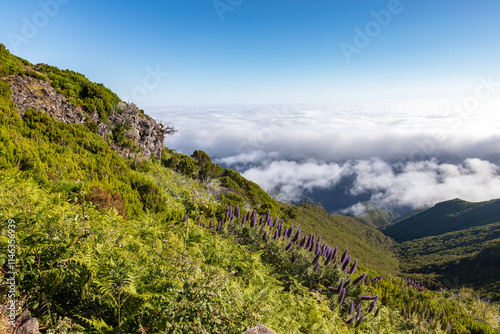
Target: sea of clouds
x=408, y=153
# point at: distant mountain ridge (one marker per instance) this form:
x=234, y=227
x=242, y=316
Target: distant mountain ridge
x=444, y=217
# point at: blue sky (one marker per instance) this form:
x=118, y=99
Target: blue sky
x=262, y=51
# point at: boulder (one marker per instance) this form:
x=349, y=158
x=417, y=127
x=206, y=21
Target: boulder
x=259, y=329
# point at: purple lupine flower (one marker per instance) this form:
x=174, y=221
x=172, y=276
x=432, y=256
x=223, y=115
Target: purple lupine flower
x=268, y=214
x=301, y=242
x=311, y=247
x=243, y=219
x=315, y=260
x=254, y=221
x=350, y=321
x=357, y=307
x=262, y=227
x=275, y=222
x=351, y=308
x=211, y=222
x=328, y=260
x=360, y=320
x=341, y=285
x=368, y=297
x=237, y=212
x=346, y=263
x=287, y=248
x=269, y=221
x=341, y=296
x=372, y=306
x=294, y=259
x=344, y=255
x=296, y=236
x=347, y=283
x=219, y=226
x=229, y=212
x=334, y=253
x=360, y=279
x=317, y=252
x=353, y=267
x=290, y=231
x=316, y=267
x=276, y=235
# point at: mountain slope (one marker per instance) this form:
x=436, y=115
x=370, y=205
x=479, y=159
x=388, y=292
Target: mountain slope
x=449, y=216
x=372, y=247
x=460, y=258
x=377, y=217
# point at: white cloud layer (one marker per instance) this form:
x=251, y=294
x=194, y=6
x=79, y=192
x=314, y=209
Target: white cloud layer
x=409, y=184
x=410, y=153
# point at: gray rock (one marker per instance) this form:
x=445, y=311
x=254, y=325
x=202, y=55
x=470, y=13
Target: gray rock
x=26, y=324
x=29, y=327
x=259, y=329
x=28, y=92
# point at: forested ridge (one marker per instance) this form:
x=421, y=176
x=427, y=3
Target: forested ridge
x=108, y=243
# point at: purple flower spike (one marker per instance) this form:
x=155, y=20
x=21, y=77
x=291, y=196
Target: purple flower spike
x=237, y=211
x=346, y=263
x=311, y=248
x=353, y=267
x=372, y=306
x=275, y=235
x=351, y=308
x=344, y=255
x=316, y=267
x=360, y=279
x=294, y=259
x=350, y=321
x=341, y=296
x=290, y=245
x=334, y=252
x=360, y=320
x=341, y=285
x=368, y=297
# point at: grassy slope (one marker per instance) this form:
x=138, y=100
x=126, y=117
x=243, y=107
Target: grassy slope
x=449, y=216
x=373, y=248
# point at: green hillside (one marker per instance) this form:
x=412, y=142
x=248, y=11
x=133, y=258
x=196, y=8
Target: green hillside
x=460, y=258
x=377, y=217
x=107, y=242
x=371, y=247
x=449, y=216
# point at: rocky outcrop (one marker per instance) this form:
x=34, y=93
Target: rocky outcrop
x=27, y=324
x=28, y=92
x=259, y=329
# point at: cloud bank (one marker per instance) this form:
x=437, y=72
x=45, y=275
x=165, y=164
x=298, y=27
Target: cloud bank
x=410, y=153
x=410, y=184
